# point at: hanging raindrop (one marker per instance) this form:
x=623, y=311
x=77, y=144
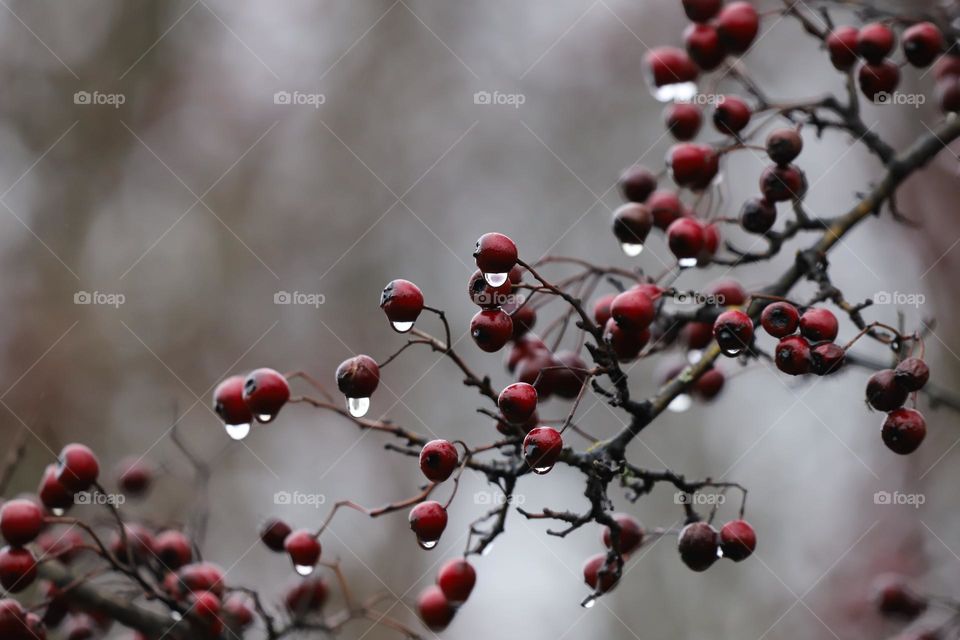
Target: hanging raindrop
x=495, y=279
x=427, y=544
x=303, y=569
x=542, y=470
x=402, y=327
x=264, y=418
x=681, y=403
x=686, y=263
x=631, y=250
x=589, y=602
x=358, y=407
x=238, y=431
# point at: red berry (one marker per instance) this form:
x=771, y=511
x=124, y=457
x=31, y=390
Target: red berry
x=18, y=568
x=877, y=79
x=228, y=402
x=140, y=542
x=20, y=521
x=875, y=42
x=827, y=358
x=793, y=356
x=912, y=374
x=517, y=402
x=637, y=183
x=842, y=45
x=495, y=253
x=948, y=94
x=709, y=385
x=683, y=120
x=303, y=548
x=173, y=549
x=434, y=609
x=693, y=165
x=784, y=145
x=685, y=237
x=894, y=597
x=946, y=66
x=238, y=612
x=631, y=224
x=358, y=377
x=727, y=292
x=483, y=295
x=13, y=620
x=136, y=476
x=738, y=540
x=265, y=391
x=522, y=349
x=904, y=430
x=738, y=24
x=537, y=370
x=669, y=65
x=568, y=380
x=731, y=115
x=922, y=43
x=626, y=343
x=665, y=207
x=758, y=215
x=202, y=576
x=273, y=533
x=78, y=468
x=402, y=302
x=698, y=545
x=542, y=448
x=428, y=520
x=701, y=10
x=456, y=579
x=819, y=325
x=779, y=184
x=35, y=627
x=491, y=329
x=601, y=308
x=438, y=459
x=883, y=392
x=711, y=242
x=631, y=533
x=306, y=596
x=697, y=335
x=54, y=496
x=780, y=319
x=733, y=331
x=206, y=608
x=703, y=43
x=632, y=310
x=598, y=575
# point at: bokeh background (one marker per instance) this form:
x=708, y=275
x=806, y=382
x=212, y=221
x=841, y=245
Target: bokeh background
x=199, y=198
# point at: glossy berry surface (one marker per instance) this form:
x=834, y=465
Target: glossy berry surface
x=875, y=42
x=703, y=43
x=733, y=331
x=303, y=548
x=793, y=356
x=438, y=460
x=709, y=385
x=18, y=568
x=517, y=402
x=542, y=448
x=783, y=146
x=701, y=10
x=631, y=533
x=883, y=391
x=598, y=574
x=79, y=468
x=434, y=609
x=912, y=374
x=401, y=301
x=228, y=402
x=20, y=522
x=683, y=121
x=358, y=377
x=818, y=325
x=637, y=183
x=669, y=65
x=780, y=319
x=273, y=533
x=758, y=215
x=665, y=207
x=265, y=391
x=491, y=329
x=632, y=223
x=738, y=25
x=456, y=579
x=731, y=116
x=738, y=540
x=495, y=253
x=698, y=545
x=922, y=43
x=904, y=430
x=685, y=238
x=173, y=549
x=877, y=79
x=428, y=520
x=827, y=358
x=632, y=310
x=782, y=183
x=52, y=493
x=842, y=46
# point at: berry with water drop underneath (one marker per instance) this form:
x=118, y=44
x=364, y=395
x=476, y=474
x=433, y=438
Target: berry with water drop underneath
x=265, y=391
x=428, y=520
x=438, y=459
x=542, y=448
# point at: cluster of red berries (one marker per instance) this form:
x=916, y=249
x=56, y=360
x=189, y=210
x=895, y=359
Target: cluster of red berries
x=599, y=573
x=306, y=596
x=438, y=460
x=700, y=545
x=239, y=400
x=438, y=603
x=887, y=390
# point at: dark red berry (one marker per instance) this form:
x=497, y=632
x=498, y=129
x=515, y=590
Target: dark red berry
x=692, y=164
x=819, y=325
x=894, y=597
x=883, y=392
x=568, y=380
x=698, y=545
x=632, y=310
x=685, y=238
x=136, y=476
x=827, y=358
x=733, y=331
x=202, y=576
x=542, y=448
x=358, y=377
x=13, y=620
x=793, y=356
x=631, y=533
x=637, y=183
x=303, y=548
x=738, y=25
x=438, y=459
x=709, y=385
x=402, y=302
x=784, y=145
x=738, y=540
x=78, y=468
x=946, y=66
x=517, y=402
x=601, y=308
x=206, y=609
x=598, y=574
x=948, y=94
x=779, y=184
x=904, y=430
x=875, y=42
x=265, y=391
x=491, y=329
x=18, y=568
x=456, y=579
x=758, y=215
x=626, y=343
x=486, y=296
x=727, y=292
x=238, y=611
x=537, y=370
x=702, y=42
x=711, y=242
x=434, y=609
x=683, y=120
x=139, y=541
x=701, y=10
x=842, y=45
x=912, y=374
x=922, y=43
x=495, y=253
x=631, y=224
x=665, y=207
x=20, y=522
x=273, y=533
x=780, y=319
x=877, y=79
x=697, y=335
x=306, y=596
x=428, y=520
x=669, y=65
x=228, y=402
x=173, y=549
x=731, y=115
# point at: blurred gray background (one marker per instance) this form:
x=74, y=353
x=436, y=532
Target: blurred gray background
x=199, y=198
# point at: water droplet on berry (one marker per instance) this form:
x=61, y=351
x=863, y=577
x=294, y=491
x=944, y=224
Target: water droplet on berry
x=237, y=431
x=731, y=353
x=495, y=279
x=679, y=92
x=358, y=407
x=427, y=544
x=681, y=403
x=589, y=602
x=57, y=512
x=542, y=470
x=264, y=418
x=631, y=250
x=303, y=569
x=402, y=327
x=686, y=263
